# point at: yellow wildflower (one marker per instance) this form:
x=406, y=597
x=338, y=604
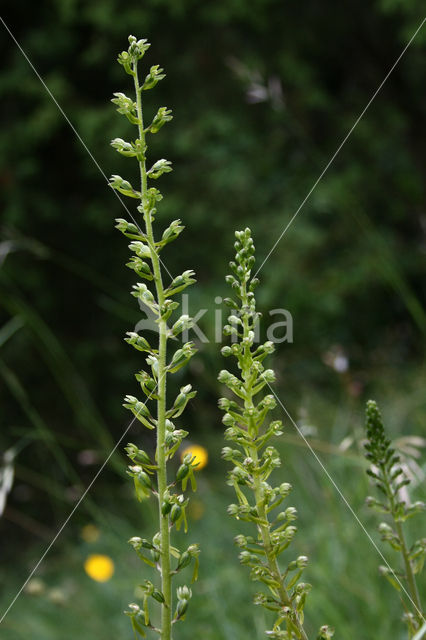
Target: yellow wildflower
x=200, y=453
x=99, y=567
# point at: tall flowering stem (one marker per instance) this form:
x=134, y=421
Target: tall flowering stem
x=254, y=459
x=150, y=476
x=388, y=476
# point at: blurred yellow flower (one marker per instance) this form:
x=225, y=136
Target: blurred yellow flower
x=99, y=567
x=90, y=533
x=200, y=453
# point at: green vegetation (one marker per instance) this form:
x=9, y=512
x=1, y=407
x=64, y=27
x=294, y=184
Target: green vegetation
x=264, y=94
x=390, y=479
x=343, y=567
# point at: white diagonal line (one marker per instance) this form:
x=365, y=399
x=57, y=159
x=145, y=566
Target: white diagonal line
x=65, y=523
x=344, y=500
x=339, y=148
x=86, y=491
x=421, y=632
x=78, y=136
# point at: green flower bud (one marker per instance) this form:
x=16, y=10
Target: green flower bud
x=144, y=479
x=173, y=231
x=253, y=283
x=248, y=558
x=268, y=402
x=231, y=280
x=303, y=587
x=184, y=593
x=136, y=542
x=269, y=375
x=184, y=560
x=126, y=106
x=233, y=510
x=291, y=513
x=384, y=528
x=137, y=455
x=228, y=453
x=142, y=292
x=142, y=250
x=163, y=115
x=260, y=598
x=154, y=76
x=148, y=587
x=160, y=167
x=123, y=186
x=175, y=513
x=182, y=472
x=140, y=267
x=134, y=608
x=137, y=341
x=194, y=550
x=137, y=48
x=137, y=407
x=127, y=228
x=285, y=489
x=165, y=507
x=181, y=608
x=224, y=403
x=241, y=541
x=157, y=595
x=124, y=148
x=228, y=420
x=184, y=322
x=229, y=331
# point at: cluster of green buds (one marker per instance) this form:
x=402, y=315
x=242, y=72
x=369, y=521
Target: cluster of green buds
x=150, y=473
x=388, y=476
x=254, y=459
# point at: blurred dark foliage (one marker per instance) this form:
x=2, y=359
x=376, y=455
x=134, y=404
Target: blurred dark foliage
x=263, y=92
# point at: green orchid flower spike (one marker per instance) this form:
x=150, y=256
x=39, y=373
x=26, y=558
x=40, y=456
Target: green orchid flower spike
x=387, y=474
x=150, y=477
x=247, y=408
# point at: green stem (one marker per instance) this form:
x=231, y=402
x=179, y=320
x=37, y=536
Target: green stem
x=166, y=586
x=271, y=557
x=411, y=580
x=264, y=530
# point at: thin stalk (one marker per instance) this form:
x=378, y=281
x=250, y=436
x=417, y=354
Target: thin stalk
x=166, y=585
x=411, y=580
x=272, y=560
x=260, y=502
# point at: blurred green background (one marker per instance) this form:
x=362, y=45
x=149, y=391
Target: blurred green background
x=263, y=92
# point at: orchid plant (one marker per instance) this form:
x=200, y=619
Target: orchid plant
x=253, y=457
x=150, y=476
x=386, y=472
